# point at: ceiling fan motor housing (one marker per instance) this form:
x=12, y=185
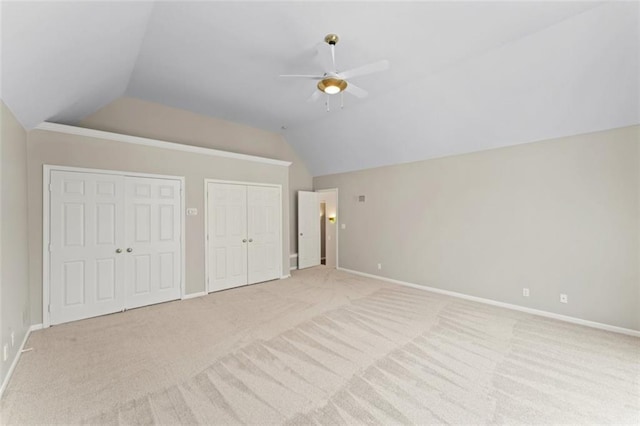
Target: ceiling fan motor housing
x=331, y=39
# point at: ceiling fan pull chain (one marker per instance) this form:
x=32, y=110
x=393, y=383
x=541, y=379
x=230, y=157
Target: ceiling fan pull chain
x=342, y=100
x=326, y=102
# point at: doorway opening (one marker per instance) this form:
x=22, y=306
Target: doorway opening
x=323, y=233
x=328, y=200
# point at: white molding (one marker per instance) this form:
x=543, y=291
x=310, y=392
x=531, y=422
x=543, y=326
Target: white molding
x=293, y=256
x=46, y=181
x=155, y=143
x=532, y=311
x=207, y=181
x=194, y=295
x=284, y=277
x=14, y=363
x=36, y=327
x=293, y=268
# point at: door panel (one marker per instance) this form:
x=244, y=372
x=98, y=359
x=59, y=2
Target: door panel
x=263, y=205
x=86, y=273
x=153, y=271
x=227, y=239
x=308, y=229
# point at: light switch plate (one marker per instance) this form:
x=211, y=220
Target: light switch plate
x=343, y=226
x=192, y=211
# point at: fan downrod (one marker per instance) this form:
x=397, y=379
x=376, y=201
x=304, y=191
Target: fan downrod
x=331, y=39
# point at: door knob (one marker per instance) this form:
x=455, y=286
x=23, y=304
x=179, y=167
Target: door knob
x=118, y=250
x=244, y=240
x=250, y=240
x=129, y=250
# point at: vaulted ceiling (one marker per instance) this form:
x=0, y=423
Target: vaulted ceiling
x=465, y=76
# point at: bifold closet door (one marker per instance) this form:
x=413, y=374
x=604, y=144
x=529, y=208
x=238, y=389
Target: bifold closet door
x=263, y=230
x=86, y=220
x=227, y=235
x=153, y=242
x=115, y=243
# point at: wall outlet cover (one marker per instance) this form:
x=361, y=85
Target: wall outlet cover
x=525, y=292
x=192, y=211
x=343, y=226
x=564, y=298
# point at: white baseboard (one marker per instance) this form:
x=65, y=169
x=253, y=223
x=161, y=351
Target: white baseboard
x=538, y=312
x=5, y=382
x=293, y=268
x=194, y=295
x=284, y=277
x=293, y=256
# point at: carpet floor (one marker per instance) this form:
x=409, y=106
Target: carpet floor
x=325, y=347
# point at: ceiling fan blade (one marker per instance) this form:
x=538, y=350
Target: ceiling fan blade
x=365, y=69
x=310, y=77
x=314, y=96
x=356, y=91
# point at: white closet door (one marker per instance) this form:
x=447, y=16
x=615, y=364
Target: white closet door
x=86, y=222
x=227, y=239
x=264, y=233
x=153, y=246
x=308, y=229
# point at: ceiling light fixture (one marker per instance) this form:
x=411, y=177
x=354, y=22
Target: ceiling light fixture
x=332, y=86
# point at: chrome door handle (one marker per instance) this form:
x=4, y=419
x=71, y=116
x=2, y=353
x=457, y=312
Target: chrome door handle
x=129, y=250
x=244, y=240
x=118, y=250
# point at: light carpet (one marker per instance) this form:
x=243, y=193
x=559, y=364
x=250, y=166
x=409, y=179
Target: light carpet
x=325, y=347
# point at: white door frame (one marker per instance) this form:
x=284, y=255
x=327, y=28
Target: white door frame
x=337, y=223
x=207, y=181
x=46, y=182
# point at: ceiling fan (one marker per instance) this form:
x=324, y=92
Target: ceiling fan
x=334, y=82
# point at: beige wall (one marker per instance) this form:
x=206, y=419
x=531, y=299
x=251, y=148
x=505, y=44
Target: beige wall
x=151, y=120
x=14, y=289
x=558, y=216
x=45, y=147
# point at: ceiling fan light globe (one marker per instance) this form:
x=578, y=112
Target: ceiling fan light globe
x=332, y=85
x=331, y=90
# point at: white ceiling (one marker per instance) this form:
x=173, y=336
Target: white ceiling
x=465, y=76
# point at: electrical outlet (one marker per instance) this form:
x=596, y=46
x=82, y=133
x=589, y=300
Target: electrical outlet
x=379, y=265
x=564, y=298
x=5, y=352
x=525, y=292
x=13, y=338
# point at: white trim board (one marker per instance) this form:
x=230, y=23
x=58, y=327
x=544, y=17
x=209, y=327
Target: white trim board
x=118, y=137
x=46, y=181
x=532, y=311
x=14, y=363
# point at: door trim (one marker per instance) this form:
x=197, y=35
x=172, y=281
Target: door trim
x=46, y=182
x=337, y=223
x=207, y=181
